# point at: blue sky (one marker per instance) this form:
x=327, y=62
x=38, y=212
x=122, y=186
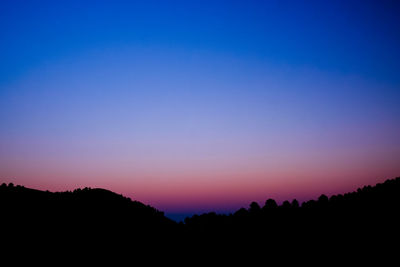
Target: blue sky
x=338, y=36
x=175, y=102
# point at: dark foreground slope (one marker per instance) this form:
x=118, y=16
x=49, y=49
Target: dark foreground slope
x=365, y=217
x=83, y=216
x=98, y=219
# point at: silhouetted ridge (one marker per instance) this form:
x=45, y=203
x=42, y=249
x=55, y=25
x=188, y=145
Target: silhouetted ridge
x=92, y=214
x=371, y=209
x=101, y=218
x=79, y=199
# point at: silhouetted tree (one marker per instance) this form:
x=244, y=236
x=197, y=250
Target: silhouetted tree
x=309, y=204
x=286, y=204
x=270, y=204
x=241, y=212
x=295, y=203
x=323, y=201
x=254, y=208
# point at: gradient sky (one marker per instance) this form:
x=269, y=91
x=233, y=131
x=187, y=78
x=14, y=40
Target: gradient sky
x=194, y=106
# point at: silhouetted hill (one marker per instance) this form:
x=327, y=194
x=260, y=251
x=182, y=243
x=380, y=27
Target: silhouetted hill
x=382, y=198
x=99, y=218
x=86, y=216
x=366, y=220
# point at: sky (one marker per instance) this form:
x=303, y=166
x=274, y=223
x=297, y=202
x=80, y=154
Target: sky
x=197, y=106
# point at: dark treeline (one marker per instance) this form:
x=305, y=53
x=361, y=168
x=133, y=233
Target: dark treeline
x=98, y=217
x=366, y=201
x=368, y=212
